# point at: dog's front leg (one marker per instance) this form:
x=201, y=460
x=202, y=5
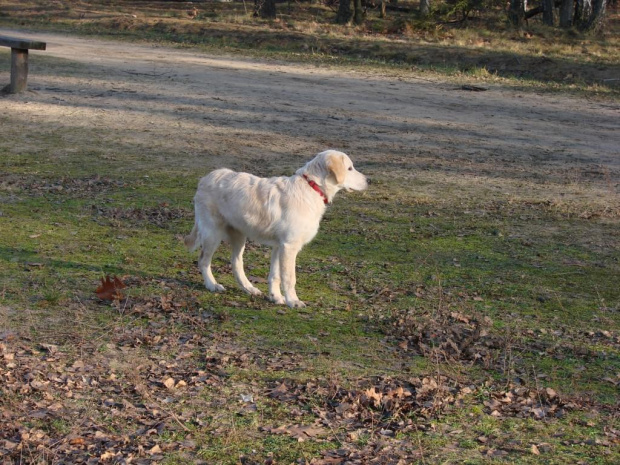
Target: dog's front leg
x=288, y=256
x=275, y=294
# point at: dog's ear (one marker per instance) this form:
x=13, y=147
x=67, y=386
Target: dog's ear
x=335, y=165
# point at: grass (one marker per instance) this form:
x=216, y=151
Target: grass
x=531, y=277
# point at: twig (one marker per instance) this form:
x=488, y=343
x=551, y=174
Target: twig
x=542, y=408
x=421, y=450
x=171, y=414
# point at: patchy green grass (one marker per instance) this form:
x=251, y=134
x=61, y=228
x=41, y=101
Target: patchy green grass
x=546, y=278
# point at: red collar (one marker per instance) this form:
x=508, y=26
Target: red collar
x=316, y=187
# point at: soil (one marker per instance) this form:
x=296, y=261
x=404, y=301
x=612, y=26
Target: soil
x=220, y=110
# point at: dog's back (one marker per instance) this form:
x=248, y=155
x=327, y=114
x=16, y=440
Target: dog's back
x=249, y=204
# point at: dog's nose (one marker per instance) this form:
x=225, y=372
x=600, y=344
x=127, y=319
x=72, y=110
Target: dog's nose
x=369, y=181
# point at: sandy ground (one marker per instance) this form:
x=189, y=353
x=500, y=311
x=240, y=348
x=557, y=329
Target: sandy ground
x=194, y=110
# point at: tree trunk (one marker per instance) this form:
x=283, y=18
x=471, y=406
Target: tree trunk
x=566, y=13
x=358, y=13
x=344, y=12
x=265, y=8
x=583, y=9
x=596, y=18
x=517, y=12
x=425, y=7
x=548, y=12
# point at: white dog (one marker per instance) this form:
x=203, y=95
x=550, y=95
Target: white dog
x=282, y=212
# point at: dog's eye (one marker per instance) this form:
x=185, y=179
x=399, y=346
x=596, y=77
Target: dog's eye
x=351, y=168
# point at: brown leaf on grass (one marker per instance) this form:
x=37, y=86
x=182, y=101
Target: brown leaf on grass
x=77, y=441
x=108, y=455
x=328, y=461
x=110, y=288
x=551, y=393
x=169, y=383
x=446, y=335
x=300, y=432
x=524, y=402
x=495, y=453
x=9, y=445
x=155, y=449
x=379, y=403
x=143, y=393
x=373, y=396
x=381, y=451
x=50, y=348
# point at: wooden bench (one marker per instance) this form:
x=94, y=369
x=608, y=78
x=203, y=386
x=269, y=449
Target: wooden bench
x=19, y=60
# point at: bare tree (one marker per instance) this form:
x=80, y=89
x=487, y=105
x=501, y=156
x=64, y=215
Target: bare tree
x=517, y=12
x=594, y=20
x=265, y=8
x=548, y=12
x=358, y=12
x=585, y=15
x=566, y=13
x=583, y=10
x=425, y=7
x=344, y=12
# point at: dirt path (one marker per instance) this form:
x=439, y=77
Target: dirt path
x=214, y=110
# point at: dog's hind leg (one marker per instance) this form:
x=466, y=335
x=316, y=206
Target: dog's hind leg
x=191, y=240
x=237, y=242
x=275, y=293
x=209, y=246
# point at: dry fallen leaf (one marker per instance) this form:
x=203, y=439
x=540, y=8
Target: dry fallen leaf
x=107, y=455
x=169, y=383
x=155, y=450
x=110, y=288
x=373, y=395
x=300, y=432
x=10, y=445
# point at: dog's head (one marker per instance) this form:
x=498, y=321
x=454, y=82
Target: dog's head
x=334, y=171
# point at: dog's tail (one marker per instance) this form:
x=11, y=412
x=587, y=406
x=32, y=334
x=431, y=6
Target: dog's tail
x=191, y=240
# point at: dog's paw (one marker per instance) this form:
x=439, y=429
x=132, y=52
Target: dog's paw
x=216, y=288
x=296, y=304
x=279, y=300
x=253, y=291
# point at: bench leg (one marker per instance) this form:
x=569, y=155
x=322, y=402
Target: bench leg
x=19, y=70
